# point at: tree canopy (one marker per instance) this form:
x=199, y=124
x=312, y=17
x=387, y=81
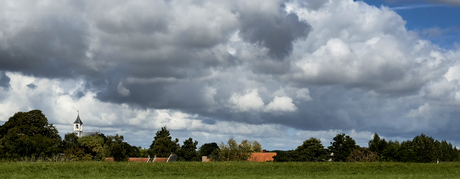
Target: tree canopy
x=188, y=151
x=342, y=147
x=163, y=145
x=28, y=134
x=311, y=150
x=234, y=151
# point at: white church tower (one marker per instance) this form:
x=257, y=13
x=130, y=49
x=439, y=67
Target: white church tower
x=78, y=126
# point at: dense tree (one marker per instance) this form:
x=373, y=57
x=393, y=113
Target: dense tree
x=426, y=149
x=377, y=145
x=362, y=154
x=342, y=147
x=188, y=151
x=116, y=148
x=285, y=156
x=235, y=152
x=163, y=145
x=391, y=152
x=28, y=134
x=84, y=148
x=92, y=145
x=311, y=150
x=208, y=149
x=70, y=141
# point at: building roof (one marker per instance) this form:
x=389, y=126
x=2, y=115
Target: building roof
x=262, y=157
x=160, y=159
x=78, y=120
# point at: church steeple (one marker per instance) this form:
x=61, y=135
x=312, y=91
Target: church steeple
x=78, y=125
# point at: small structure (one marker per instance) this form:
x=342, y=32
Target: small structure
x=204, y=159
x=78, y=128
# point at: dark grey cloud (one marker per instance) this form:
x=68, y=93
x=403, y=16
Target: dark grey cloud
x=4, y=80
x=55, y=47
x=31, y=86
x=275, y=33
x=311, y=4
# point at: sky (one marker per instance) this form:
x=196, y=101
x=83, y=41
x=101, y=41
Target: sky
x=275, y=71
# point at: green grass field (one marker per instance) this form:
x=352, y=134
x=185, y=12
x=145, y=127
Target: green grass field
x=227, y=170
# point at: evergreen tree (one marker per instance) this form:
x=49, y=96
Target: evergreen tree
x=426, y=149
x=163, y=145
x=377, y=145
x=391, y=152
x=188, y=151
x=342, y=147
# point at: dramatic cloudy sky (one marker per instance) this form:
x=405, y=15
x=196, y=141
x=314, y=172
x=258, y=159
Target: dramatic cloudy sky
x=275, y=71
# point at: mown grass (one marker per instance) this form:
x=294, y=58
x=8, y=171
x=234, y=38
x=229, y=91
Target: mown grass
x=226, y=170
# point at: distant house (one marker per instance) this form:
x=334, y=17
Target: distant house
x=78, y=128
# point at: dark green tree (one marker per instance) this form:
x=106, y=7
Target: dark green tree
x=188, y=151
x=70, y=141
x=116, y=148
x=28, y=134
x=426, y=149
x=163, y=145
x=207, y=149
x=285, y=156
x=342, y=147
x=311, y=150
x=447, y=151
x=377, y=145
x=391, y=152
x=84, y=148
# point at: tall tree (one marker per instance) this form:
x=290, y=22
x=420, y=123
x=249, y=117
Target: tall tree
x=391, y=152
x=162, y=144
x=256, y=147
x=28, y=134
x=377, y=145
x=342, y=147
x=116, y=148
x=311, y=150
x=208, y=148
x=426, y=148
x=188, y=151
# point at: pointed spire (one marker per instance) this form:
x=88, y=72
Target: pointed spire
x=78, y=120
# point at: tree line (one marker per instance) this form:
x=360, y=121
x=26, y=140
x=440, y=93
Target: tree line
x=28, y=134
x=344, y=149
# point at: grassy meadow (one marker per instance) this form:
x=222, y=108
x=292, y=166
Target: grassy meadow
x=226, y=170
